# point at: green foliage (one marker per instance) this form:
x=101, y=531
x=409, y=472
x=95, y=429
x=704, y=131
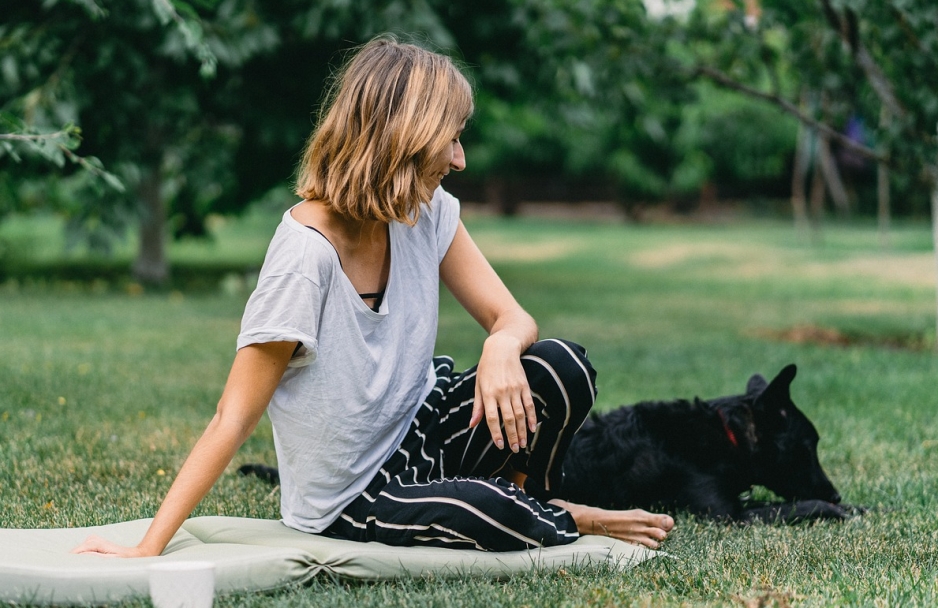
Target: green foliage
x=214, y=98
x=629, y=76
x=509, y=138
x=334, y=19
x=749, y=147
x=617, y=109
x=128, y=73
x=196, y=107
x=860, y=57
x=56, y=148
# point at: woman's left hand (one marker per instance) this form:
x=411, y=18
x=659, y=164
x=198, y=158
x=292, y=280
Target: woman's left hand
x=502, y=393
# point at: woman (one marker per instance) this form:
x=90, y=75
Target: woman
x=376, y=439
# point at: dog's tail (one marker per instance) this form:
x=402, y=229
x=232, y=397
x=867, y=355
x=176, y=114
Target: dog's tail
x=269, y=474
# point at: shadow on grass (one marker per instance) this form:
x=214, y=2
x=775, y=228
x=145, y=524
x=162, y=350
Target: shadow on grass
x=104, y=274
x=815, y=334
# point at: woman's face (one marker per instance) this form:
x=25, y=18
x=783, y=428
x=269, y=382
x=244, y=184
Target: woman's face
x=451, y=158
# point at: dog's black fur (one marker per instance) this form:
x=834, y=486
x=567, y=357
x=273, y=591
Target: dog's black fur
x=700, y=456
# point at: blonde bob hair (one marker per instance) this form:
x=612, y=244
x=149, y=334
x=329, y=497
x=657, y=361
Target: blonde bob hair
x=389, y=114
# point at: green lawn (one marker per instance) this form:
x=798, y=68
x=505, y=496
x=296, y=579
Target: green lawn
x=105, y=389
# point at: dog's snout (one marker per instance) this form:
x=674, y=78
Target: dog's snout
x=835, y=498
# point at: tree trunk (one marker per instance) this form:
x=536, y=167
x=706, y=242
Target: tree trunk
x=500, y=194
x=934, y=230
x=151, y=266
x=835, y=185
x=799, y=173
x=817, y=200
x=884, y=213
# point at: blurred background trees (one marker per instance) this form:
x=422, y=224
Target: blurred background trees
x=152, y=115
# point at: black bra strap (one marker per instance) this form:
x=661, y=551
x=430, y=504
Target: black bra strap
x=328, y=241
x=378, y=296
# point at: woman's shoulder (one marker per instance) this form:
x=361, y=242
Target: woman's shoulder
x=441, y=210
x=440, y=218
x=297, y=248
x=443, y=202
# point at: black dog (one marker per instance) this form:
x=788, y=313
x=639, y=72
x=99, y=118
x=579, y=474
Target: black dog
x=700, y=456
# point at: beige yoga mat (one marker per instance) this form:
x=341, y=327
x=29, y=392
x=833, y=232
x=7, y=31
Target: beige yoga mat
x=36, y=566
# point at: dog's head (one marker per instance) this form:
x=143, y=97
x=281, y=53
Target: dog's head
x=787, y=442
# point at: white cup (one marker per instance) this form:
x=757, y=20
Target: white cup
x=182, y=584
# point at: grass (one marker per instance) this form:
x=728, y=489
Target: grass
x=107, y=387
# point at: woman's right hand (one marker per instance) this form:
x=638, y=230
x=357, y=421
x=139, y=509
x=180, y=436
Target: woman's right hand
x=502, y=391
x=95, y=545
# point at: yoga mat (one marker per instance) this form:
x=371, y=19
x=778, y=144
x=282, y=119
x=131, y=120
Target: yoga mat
x=36, y=566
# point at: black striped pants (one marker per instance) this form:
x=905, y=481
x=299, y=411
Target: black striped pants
x=441, y=486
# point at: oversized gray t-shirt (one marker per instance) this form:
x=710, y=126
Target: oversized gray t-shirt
x=350, y=393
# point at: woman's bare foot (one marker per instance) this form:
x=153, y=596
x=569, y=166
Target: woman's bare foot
x=635, y=526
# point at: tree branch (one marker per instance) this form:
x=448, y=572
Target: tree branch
x=848, y=30
x=89, y=163
x=34, y=136
x=726, y=81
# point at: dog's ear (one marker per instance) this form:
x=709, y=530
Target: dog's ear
x=756, y=384
x=785, y=377
x=777, y=393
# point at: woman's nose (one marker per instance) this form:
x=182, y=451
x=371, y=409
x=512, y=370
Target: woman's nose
x=459, y=157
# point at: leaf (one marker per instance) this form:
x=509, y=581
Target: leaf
x=9, y=149
x=164, y=11
x=113, y=181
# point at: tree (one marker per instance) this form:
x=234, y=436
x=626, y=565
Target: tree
x=622, y=116
x=867, y=58
x=196, y=106
x=136, y=76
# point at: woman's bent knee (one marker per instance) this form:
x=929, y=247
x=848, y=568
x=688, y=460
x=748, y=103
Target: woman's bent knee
x=564, y=364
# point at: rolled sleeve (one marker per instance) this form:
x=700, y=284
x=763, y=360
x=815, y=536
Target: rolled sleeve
x=283, y=308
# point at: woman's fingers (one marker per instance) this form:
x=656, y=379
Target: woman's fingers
x=530, y=413
x=504, y=397
x=510, y=422
x=478, y=409
x=487, y=408
x=508, y=418
x=493, y=418
x=98, y=546
x=521, y=420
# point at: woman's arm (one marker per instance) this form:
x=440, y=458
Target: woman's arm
x=254, y=375
x=502, y=391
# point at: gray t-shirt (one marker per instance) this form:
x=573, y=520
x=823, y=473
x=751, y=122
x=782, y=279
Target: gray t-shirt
x=350, y=393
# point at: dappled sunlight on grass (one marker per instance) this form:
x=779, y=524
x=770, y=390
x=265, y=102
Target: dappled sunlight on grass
x=498, y=250
x=760, y=262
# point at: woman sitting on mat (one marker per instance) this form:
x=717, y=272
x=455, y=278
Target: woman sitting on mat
x=377, y=439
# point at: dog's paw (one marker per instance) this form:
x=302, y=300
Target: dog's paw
x=798, y=511
x=819, y=509
x=269, y=474
x=854, y=510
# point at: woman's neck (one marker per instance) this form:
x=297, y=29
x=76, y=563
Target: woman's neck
x=363, y=246
x=350, y=234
